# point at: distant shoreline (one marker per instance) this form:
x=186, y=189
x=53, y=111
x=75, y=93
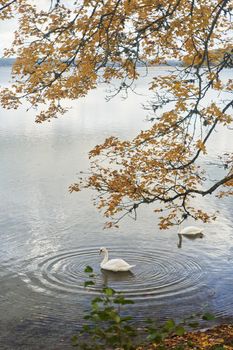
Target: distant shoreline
x=8, y=62
x=4, y=62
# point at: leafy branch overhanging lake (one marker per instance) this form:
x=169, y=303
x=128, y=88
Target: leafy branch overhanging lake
x=67, y=50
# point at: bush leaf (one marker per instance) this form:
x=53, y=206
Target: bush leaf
x=88, y=269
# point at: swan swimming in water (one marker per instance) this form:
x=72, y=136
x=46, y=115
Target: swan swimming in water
x=113, y=264
x=189, y=231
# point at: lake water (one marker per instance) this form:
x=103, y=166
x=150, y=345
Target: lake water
x=48, y=235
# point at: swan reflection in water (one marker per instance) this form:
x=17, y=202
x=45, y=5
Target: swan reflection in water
x=112, y=277
x=189, y=236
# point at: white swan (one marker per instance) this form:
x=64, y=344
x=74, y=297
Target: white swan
x=190, y=231
x=113, y=264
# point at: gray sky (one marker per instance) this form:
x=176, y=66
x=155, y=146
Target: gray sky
x=8, y=27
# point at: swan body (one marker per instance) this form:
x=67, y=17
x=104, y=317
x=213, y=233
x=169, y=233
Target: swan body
x=113, y=264
x=190, y=231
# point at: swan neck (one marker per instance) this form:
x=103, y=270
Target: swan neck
x=179, y=245
x=105, y=259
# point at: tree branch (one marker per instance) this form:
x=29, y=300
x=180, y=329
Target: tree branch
x=8, y=4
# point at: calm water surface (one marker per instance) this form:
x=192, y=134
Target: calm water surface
x=48, y=236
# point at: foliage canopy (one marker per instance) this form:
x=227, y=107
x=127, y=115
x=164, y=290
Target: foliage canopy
x=67, y=50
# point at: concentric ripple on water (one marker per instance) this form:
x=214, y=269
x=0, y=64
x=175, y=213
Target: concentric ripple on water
x=157, y=274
